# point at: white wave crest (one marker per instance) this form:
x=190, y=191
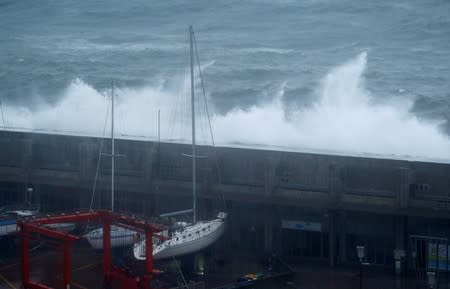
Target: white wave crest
x=267, y=50
x=343, y=119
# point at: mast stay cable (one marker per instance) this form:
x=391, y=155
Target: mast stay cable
x=219, y=175
x=99, y=159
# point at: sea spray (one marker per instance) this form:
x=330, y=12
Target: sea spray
x=343, y=119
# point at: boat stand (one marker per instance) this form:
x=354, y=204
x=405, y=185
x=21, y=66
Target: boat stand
x=110, y=272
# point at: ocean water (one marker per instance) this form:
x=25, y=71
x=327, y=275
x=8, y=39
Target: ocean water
x=317, y=75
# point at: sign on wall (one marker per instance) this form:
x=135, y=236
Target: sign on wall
x=301, y=225
x=438, y=258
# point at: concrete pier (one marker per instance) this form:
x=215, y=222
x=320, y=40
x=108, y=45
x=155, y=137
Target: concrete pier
x=301, y=204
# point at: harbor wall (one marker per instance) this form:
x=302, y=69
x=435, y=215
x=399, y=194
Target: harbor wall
x=289, y=203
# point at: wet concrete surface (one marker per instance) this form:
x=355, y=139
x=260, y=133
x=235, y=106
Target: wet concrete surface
x=318, y=275
x=46, y=267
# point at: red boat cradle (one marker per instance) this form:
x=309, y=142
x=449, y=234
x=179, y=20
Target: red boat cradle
x=27, y=227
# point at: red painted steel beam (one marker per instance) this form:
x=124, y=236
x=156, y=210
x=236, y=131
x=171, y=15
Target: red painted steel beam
x=30, y=227
x=149, y=252
x=106, y=247
x=144, y=282
x=67, y=264
x=80, y=217
x=107, y=218
x=89, y=216
x=25, y=256
x=134, y=223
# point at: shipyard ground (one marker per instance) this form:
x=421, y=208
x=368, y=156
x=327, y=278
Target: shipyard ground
x=46, y=264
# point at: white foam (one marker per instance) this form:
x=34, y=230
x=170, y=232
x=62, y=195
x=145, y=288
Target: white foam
x=80, y=45
x=344, y=119
x=267, y=50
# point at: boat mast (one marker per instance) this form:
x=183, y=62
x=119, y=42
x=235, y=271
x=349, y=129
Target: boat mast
x=194, y=193
x=112, y=146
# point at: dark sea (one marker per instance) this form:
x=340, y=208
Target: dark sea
x=348, y=77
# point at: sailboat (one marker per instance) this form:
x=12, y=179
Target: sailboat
x=8, y=220
x=194, y=237
x=10, y=214
x=120, y=237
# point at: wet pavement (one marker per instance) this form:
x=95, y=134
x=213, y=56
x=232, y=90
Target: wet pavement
x=46, y=267
x=314, y=275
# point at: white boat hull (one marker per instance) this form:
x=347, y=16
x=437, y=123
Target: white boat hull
x=193, y=239
x=9, y=224
x=191, y=246
x=120, y=237
x=62, y=227
x=8, y=229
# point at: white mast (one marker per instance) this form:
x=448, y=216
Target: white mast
x=112, y=146
x=194, y=193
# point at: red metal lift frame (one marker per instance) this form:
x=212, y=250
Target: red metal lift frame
x=110, y=272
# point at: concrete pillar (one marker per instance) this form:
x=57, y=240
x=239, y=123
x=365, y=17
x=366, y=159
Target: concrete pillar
x=235, y=228
x=206, y=208
x=206, y=195
x=148, y=204
x=27, y=166
x=270, y=176
x=342, y=237
x=400, y=235
x=149, y=162
x=87, y=153
x=87, y=171
x=332, y=237
x=400, y=232
x=269, y=188
x=151, y=178
x=402, y=199
x=277, y=232
x=268, y=229
x=333, y=192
